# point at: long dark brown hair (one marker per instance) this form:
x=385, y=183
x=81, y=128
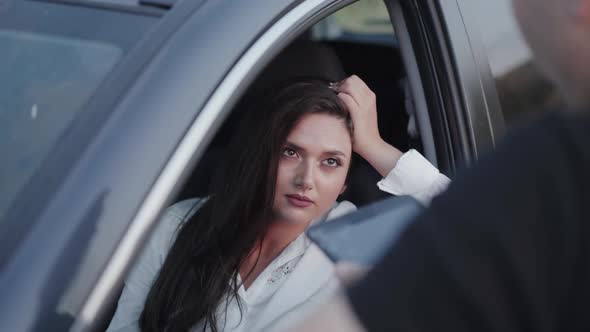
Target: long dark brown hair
x=201, y=268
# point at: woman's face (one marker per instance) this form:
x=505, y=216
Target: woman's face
x=312, y=168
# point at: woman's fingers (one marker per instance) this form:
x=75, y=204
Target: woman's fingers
x=361, y=103
x=363, y=106
x=357, y=89
x=349, y=101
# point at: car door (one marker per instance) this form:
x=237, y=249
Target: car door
x=451, y=80
x=81, y=219
x=94, y=199
x=66, y=66
x=523, y=90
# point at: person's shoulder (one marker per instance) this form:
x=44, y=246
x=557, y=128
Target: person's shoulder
x=545, y=142
x=172, y=219
x=533, y=166
x=340, y=209
x=555, y=128
x=184, y=209
x=573, y=128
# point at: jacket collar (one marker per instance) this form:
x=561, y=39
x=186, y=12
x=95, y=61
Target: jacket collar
x=313, y=272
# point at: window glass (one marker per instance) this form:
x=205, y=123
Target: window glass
x=54, y=56
x=522, y=90
x=40, y=95
x=363, y=21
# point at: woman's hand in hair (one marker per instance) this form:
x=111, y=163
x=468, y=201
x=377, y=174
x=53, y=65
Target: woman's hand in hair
x=361, y=103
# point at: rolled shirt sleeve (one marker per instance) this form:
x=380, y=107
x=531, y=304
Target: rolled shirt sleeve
x=415, y=176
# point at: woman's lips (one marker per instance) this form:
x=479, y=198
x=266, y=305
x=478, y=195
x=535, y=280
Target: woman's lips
x=299, y=201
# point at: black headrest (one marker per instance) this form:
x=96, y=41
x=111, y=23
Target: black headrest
x=300, y=58
x=303, y=58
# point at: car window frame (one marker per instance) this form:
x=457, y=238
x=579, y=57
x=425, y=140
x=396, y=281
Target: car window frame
x=179, y=163
x=464, y=112
x=188, y=152
x=43, y=189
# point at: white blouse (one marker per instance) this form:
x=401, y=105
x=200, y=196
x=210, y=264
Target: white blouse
x=292, y=285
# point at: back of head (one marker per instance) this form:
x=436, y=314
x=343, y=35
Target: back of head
x=557, y=32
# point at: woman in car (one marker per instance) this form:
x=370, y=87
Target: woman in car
x=239, y=260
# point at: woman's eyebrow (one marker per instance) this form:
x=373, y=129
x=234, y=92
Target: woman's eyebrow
x=294, y=146
x=335, y=153
x=299, y=149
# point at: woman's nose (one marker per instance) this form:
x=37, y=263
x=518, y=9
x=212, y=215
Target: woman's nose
x=304, y=176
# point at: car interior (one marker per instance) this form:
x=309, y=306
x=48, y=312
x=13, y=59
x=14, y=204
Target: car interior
x=379, y=65
x=375, y=58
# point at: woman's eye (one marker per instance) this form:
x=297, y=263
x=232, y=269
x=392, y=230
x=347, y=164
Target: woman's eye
x=332, y=162
x=289, y=152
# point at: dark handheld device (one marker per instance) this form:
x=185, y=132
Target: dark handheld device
x=364, y=236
